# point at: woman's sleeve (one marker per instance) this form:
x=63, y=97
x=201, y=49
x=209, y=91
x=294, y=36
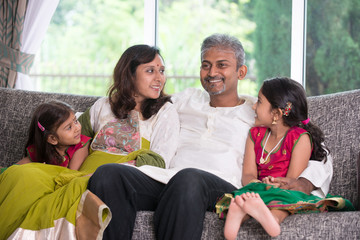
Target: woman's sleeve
x=165, y=135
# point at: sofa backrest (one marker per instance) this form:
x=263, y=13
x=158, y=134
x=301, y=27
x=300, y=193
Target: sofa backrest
x=336, y=114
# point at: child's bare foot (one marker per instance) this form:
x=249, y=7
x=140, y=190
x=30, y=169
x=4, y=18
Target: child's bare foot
x=256, y=208
x=234, y=218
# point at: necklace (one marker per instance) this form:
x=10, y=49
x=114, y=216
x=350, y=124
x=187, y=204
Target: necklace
x=265, y=161
x=241, y=101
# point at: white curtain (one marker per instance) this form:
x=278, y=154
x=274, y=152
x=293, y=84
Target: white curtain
x=37, y=19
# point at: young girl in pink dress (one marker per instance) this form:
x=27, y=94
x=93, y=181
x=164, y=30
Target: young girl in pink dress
x=280, y=145
x=55, y=137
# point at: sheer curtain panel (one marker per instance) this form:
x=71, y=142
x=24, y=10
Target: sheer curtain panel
x=37, y=20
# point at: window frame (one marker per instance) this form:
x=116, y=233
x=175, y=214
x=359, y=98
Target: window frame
x=298, y=34
x=298, y=41
x=151, y=31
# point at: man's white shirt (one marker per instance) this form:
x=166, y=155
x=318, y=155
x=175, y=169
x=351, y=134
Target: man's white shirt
x=213, y=140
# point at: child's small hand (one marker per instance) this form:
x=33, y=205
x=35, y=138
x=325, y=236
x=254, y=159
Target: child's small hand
x=271, y=181
x=268, y=180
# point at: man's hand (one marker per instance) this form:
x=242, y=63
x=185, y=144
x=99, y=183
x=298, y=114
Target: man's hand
x=300, y=184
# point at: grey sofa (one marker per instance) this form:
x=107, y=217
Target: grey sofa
x=337, y=114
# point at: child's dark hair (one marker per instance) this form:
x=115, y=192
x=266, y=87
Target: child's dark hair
x=280, y=91
x=121, y=93
x=46, y=119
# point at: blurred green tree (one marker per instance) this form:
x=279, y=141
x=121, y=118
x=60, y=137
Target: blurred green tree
x=271, y=38
x=332, y=53
x=333, y=50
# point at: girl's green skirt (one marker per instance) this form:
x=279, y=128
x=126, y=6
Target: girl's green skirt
x=289, y=200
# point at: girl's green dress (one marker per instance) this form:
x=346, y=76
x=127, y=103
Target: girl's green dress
x=289, y=200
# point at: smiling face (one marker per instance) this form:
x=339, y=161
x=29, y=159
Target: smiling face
x=68, y=133
x=149, y=80
x=218, y=71
x=264, y=113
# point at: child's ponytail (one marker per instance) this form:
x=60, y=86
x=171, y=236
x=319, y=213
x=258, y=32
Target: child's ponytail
x=319, y=152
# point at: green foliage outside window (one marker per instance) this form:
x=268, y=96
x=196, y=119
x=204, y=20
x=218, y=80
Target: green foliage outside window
x=333, y=46
x=87, y=37
x=333, y=37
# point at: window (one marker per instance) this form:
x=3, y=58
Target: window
x=84, y=41
x=87, y=37
x=332, y=46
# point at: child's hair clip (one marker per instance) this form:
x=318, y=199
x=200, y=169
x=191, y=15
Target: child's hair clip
x=40, y=126
x=287, y=108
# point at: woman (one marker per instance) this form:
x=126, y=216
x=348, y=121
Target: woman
x=137, y=114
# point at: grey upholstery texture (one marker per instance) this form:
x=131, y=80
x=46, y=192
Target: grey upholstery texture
x=338, y=115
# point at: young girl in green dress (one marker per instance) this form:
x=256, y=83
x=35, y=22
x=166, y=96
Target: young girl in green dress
x=280, y=145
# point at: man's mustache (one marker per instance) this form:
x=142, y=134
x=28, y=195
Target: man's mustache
x=213, y=78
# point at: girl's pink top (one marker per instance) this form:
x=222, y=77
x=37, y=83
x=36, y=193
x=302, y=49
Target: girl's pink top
x=70, y=151
x=278, y=164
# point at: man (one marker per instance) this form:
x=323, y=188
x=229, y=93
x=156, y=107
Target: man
x=208, y=162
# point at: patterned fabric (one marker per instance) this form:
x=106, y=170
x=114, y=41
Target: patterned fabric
x=278, y=162
x=138, y=158
x=289, y=200
x=16, y=60
x=70, y=151
x=119, y=136
x=12, y=16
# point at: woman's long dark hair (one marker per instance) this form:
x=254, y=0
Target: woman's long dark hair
x=279, y=91
x=46, y=119
x=121, y=93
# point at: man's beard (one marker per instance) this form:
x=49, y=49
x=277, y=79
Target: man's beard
x=216, y=93
x=210, y=85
